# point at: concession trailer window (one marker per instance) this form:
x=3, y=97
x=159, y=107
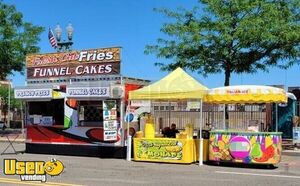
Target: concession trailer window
x=90, y=113
x=53, y=109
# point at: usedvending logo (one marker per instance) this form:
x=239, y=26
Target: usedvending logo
x=33, y=170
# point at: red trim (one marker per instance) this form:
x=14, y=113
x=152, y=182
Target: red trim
x=45, y=135
x=130, y=87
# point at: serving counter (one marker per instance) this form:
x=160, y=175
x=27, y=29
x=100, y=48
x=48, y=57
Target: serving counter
x=170, y=150
x=245, y=147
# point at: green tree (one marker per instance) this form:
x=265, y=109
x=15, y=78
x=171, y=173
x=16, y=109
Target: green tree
x=14, y=103
x=17, y=39
x=230, y=36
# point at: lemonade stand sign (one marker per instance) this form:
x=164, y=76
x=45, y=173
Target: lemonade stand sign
x=164, y=150
x=159, y=149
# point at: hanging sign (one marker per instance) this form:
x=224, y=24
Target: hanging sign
x=140, y=103
x=33, y=93
x=84, y=92
x=193, y=105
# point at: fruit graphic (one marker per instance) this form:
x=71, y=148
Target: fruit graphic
x=223, y=148
x=72, y=103
x=221, y=145
x=256, y=151
x=268, y=141
x=239, y=147
x=212, y=138
x=253, y=140
x=225, y=138
x=173, y=148
x=215, y=149
x=267, y=154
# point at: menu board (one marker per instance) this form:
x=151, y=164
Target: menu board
x=110, y=123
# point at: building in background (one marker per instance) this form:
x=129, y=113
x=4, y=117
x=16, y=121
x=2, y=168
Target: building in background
x=3, y=117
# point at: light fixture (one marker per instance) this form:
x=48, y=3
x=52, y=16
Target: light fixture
x=64, y=45
x=58, y=32
x=70, y=30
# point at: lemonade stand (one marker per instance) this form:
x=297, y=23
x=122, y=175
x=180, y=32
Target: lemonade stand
x=178, y=85
x=250, y=147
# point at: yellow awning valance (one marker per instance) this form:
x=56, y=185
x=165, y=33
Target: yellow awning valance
x=246, y=94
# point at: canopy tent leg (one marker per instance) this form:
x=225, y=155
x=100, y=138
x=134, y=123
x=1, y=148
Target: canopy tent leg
x=212, y=115
x=122, y=124
x=128, y=155
x=224, y=117
x=276, y=117
x=201, y=139
x=169, y=105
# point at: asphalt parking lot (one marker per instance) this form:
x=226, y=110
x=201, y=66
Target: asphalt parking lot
x=96, y=171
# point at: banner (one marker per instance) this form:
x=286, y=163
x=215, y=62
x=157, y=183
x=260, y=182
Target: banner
x=101, y=61
x=74, y=70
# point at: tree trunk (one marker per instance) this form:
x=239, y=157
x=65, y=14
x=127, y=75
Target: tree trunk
x=227, y=76
x=227, y=83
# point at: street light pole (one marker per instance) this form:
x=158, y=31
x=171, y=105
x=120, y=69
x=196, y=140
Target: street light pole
x=8, y=106
x=63, y=46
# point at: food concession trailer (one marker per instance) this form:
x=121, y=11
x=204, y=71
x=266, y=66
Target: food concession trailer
x=75, y=103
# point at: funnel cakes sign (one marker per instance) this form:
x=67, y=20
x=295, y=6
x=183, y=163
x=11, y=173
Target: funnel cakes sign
x=102, y=61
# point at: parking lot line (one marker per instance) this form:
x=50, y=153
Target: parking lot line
x=262, y=175
x=16, y=181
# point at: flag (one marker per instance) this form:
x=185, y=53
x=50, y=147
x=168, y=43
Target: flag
x=52, y=39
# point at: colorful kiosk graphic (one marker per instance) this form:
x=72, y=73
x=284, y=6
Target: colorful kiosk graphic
x=250, y=147
x=178, y=85
x=75, y=102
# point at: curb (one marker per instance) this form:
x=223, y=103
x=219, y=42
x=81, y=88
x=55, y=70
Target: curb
x=290, y=153
x=18, y=140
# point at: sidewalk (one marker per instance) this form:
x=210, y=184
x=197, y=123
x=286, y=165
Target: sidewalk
x=11, y=134
x=294, y=152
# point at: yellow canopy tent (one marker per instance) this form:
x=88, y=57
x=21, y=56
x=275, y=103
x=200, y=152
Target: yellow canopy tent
x=247, y=94
x=178, y=85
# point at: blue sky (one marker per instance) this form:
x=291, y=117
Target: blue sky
x=131, y=24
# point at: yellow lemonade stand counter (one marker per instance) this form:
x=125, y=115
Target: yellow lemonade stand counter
x=168, y=150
